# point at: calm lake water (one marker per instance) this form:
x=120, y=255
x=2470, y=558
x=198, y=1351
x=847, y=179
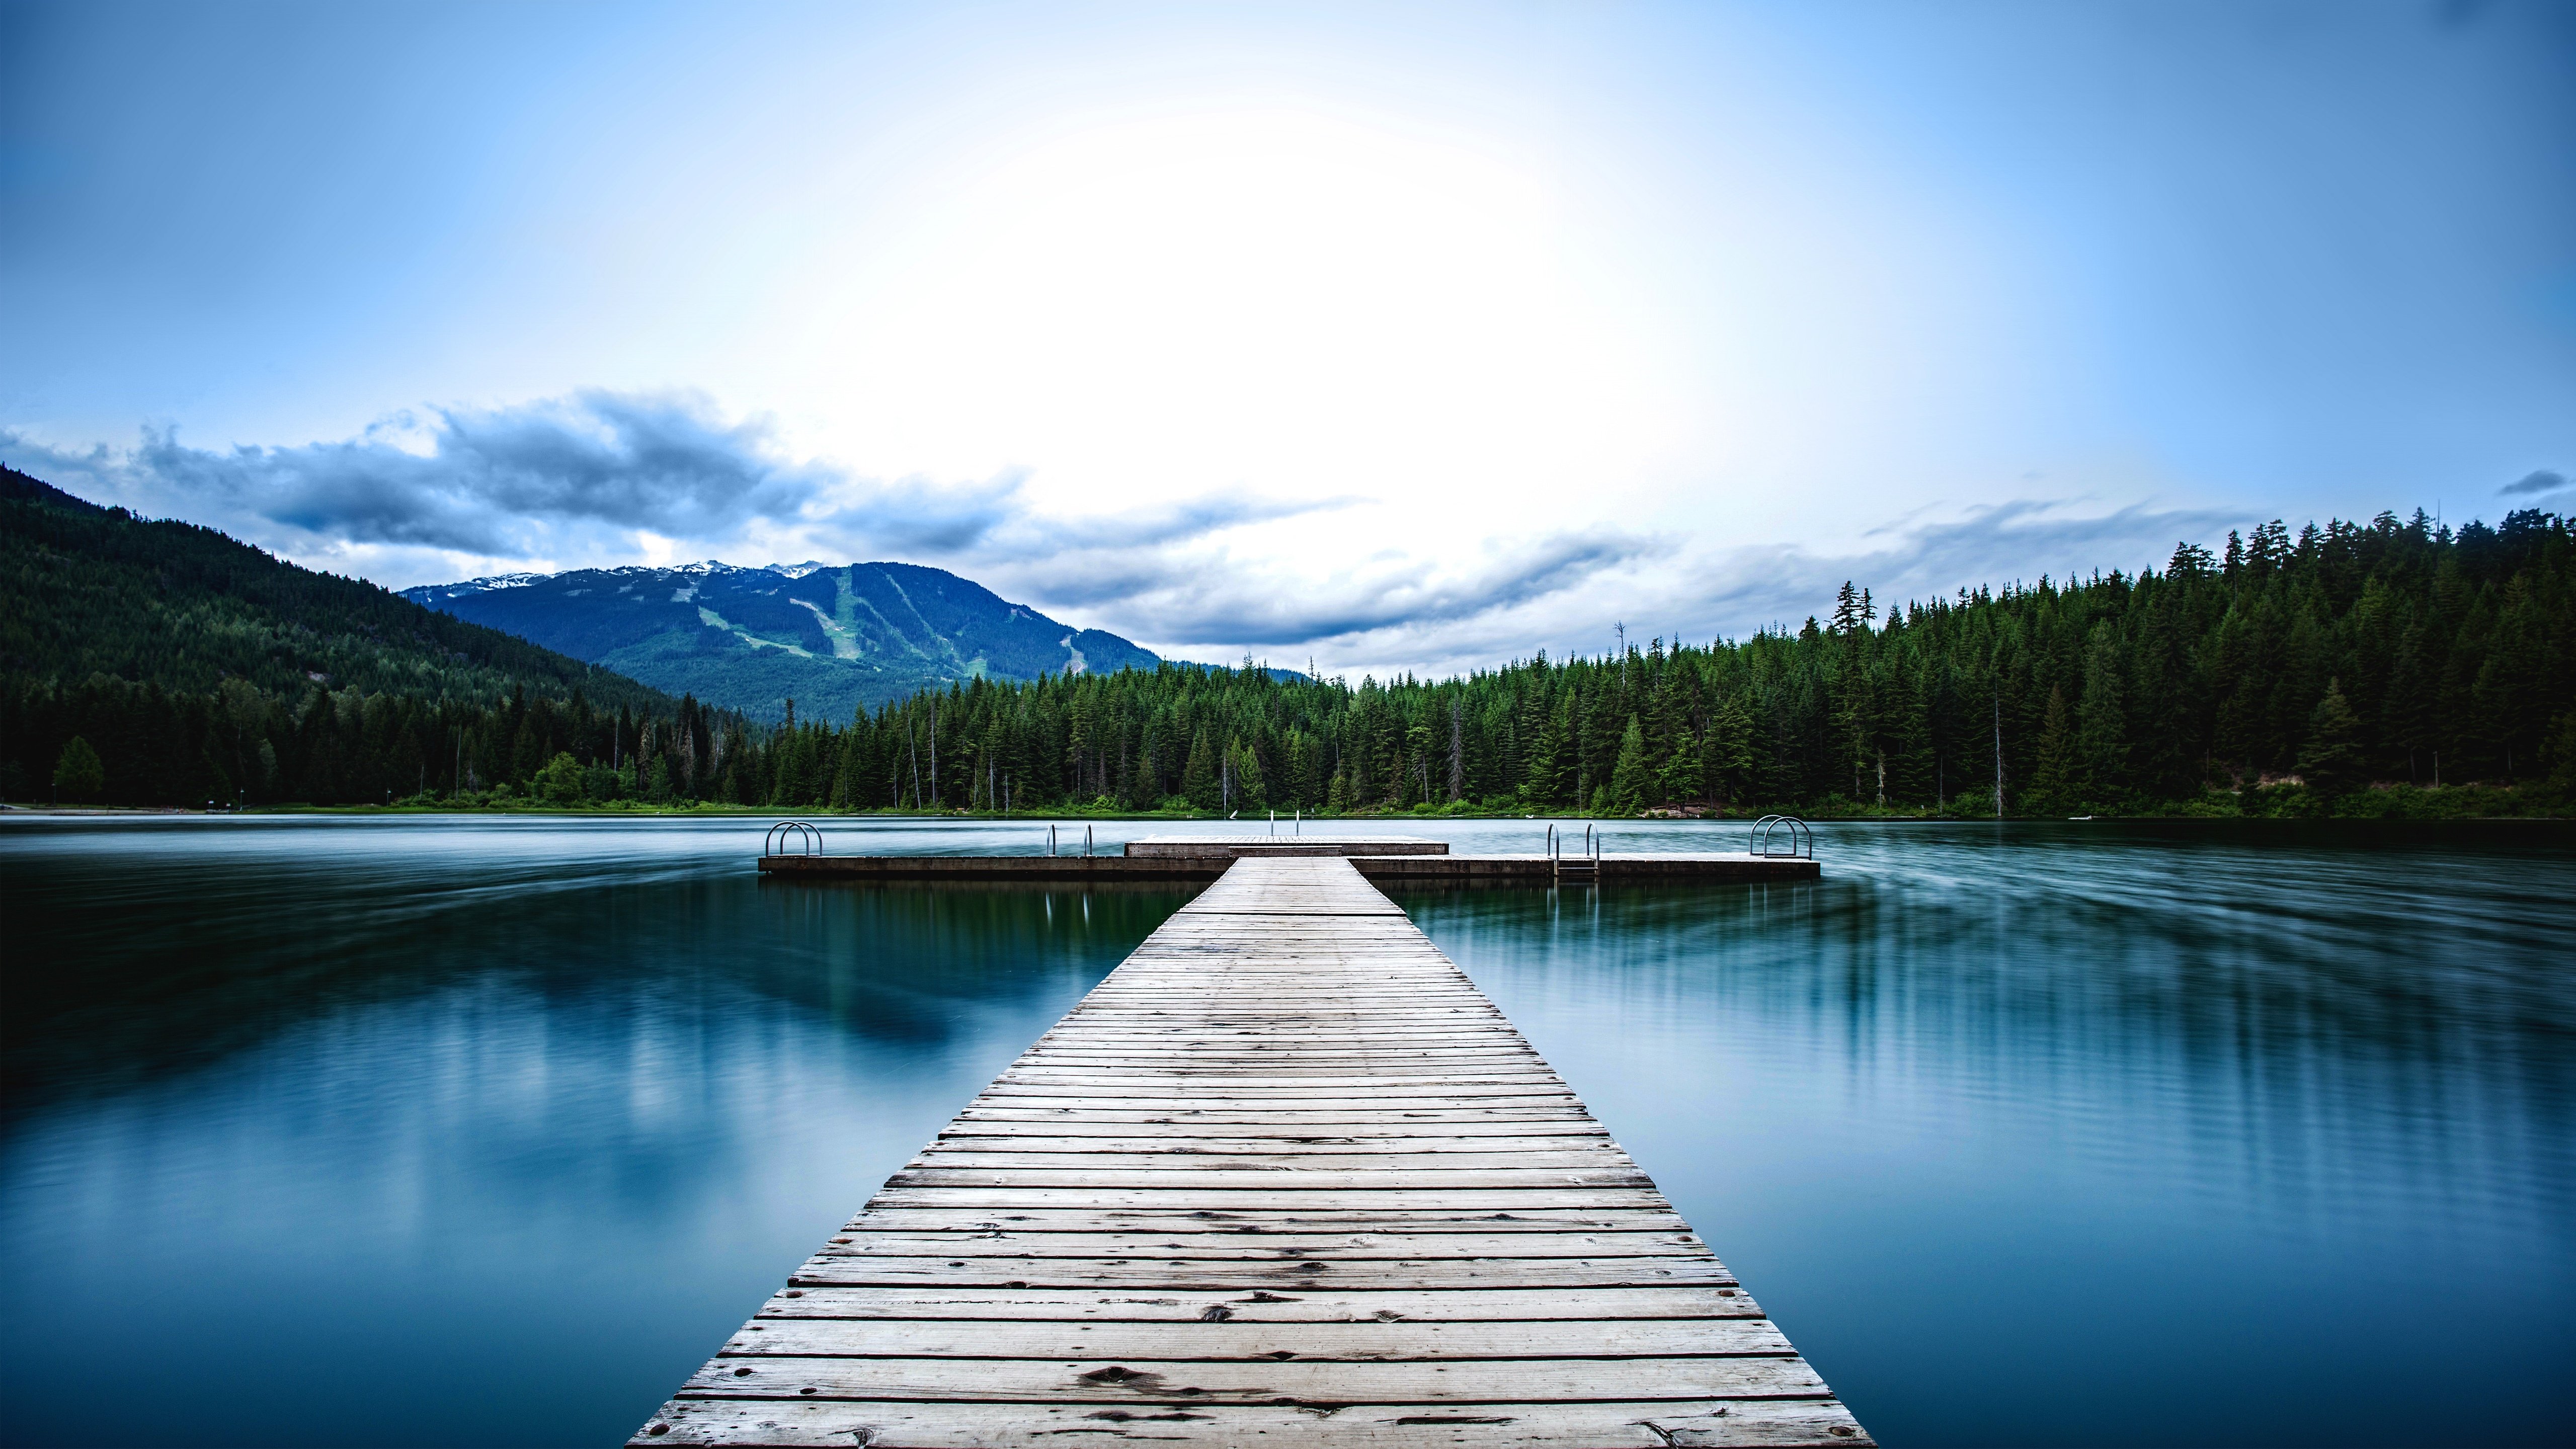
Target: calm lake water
x=350, y=1131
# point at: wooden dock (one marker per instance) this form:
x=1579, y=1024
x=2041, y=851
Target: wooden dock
x=1285, y=1177
x=1385, y=859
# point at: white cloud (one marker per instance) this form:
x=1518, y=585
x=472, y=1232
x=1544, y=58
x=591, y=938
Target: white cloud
x=603, y=478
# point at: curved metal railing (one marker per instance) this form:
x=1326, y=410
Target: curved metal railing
x=1583, y=868
x=1594, y=843
x=1782, y=835
x=809, y=841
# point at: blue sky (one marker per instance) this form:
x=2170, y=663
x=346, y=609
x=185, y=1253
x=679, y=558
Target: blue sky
x=1391, y=335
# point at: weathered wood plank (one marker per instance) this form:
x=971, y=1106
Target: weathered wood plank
x=1453, y=1048
x=1307, y=1143
x=1253, y=1071
x=1258, y=1223
x=1378, y=1062
x=1085, y=1029
x=1317, y=1270
x=1366, y=1340
x=1178, y=1172
x=1203, y=1175
x=974, y=1157
x=1285, y=1119
x=1393, y=1096
x=1252, y=1243
x=1705, y=1424
x=980, y=1122
x=1323, y=1305
x=1106, y=1381
x=1237, y=1195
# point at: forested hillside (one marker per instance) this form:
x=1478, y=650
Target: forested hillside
x=193, y=666
x=2387, y=667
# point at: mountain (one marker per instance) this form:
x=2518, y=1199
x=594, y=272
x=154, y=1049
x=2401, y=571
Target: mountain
x=833, y=638
x=88, y=591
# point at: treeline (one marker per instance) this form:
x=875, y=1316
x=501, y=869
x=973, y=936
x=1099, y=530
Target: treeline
x=2286, y=673
x=107, y=741
x=2318, y=664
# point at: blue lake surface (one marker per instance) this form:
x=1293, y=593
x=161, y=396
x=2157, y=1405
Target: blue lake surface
x=410, y=1130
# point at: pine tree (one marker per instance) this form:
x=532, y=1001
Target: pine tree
x=2052, y=777
x=1630, y=777
x=1199, y=780
x=527, y=750
x=1251, y=787
x=1457, y=751
x=2102, y=745
x=2562, y=754
x=2330, y=761
x=2408, y=713
x=1847, y=611
x=1551, y=747
x=1728, y=762
x=1684, y=776
x=79, y=776
x=2510, y=698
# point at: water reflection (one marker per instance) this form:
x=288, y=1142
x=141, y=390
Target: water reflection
x=2103, y=1135
x=400, y=1136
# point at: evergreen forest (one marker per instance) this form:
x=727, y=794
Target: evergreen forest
x=2388, y=667
x=161, y=663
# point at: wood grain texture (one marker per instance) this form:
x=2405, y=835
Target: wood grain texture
x=1287, y=1177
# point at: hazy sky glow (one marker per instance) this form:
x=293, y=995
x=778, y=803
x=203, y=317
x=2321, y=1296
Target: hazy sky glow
x=1401, y=336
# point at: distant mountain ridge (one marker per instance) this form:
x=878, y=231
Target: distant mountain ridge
x=832, y=637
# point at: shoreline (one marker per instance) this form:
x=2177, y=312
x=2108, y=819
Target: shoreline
x=2395, y=809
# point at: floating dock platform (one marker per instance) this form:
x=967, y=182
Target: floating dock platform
x=1285, y=1177
x=1386, y=859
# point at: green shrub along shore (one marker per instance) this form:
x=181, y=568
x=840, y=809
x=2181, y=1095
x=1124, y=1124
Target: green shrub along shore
x=2391, y=668
x=2275, y=802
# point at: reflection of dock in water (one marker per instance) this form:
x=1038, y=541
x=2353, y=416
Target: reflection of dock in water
x=1284, y=1177
x=1392, y=860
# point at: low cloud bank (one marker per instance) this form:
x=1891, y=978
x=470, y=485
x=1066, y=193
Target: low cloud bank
x=607, y=478
x=556, y=480
x=1668, y=589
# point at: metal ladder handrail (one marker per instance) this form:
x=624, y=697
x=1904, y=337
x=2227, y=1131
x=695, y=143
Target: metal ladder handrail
x=1800, y=840
x=1595, y=843
x=774, y=842
x=1585, y=864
